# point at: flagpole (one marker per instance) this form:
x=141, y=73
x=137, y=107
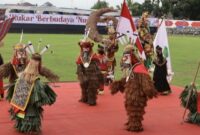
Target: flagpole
x=21, y=36
x=154, y=56
x=39, y=44
x=160, y=24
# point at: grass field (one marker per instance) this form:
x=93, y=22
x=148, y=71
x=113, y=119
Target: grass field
x=185, y=54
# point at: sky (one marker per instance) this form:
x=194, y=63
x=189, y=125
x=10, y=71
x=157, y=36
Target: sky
x=82, y=4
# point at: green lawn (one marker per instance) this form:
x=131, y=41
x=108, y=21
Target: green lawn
x=184, y=52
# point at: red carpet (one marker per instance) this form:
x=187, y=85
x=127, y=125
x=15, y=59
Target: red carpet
x=69, y=117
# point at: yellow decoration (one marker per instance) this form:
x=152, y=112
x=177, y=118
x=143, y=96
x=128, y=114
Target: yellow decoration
x=18, y=46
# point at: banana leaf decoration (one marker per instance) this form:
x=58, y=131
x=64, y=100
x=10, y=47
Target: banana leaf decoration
x=189, y=100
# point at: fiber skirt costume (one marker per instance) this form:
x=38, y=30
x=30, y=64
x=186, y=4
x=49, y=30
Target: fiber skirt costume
x=193, y=104
x=27, y=112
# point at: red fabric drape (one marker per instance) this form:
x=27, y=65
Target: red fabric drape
x=198, y=102
x=1, y=87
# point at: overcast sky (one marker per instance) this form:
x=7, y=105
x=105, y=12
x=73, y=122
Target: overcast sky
x=83, y=4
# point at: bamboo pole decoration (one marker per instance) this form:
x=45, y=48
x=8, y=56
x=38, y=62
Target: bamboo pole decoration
x=196, y=74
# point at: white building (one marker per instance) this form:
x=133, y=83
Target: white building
x=46, y=8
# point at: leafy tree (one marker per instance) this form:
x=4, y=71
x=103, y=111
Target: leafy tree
x=166, y=6
x=186, y=9
x=136, y=9
x=148, y=6
x=118, y=7
x=157, y=11
x=100, y=4
x=179, y=9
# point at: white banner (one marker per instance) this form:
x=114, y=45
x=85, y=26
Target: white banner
x=48, y=19
x=25, y=18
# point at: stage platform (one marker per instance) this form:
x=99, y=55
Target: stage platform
x=70, y=117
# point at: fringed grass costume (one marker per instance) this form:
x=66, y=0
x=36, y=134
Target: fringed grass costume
x=138, y=88
x=193, y=104
x=89, y=74
x=27, y=96
x=109, y=43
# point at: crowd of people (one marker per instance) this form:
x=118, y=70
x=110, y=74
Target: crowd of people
x=184, y=31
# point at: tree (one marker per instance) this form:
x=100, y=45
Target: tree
x=186, y=9
x=134, y=7
x=118, y=7
x=157, y=11
x=148, y=6
x=181, y=9
x=137, y=9
x=100, y=4
x=166, y=6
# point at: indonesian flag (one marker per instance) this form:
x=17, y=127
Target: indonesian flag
x=5, y=26
x=126, y=29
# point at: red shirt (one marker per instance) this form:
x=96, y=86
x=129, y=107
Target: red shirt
x=102, y=62
x=140, y=68
x=94, y=58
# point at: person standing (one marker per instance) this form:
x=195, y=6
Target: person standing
x=102, y=66
x=29, y=94
x=138, y=89
x=160, y=73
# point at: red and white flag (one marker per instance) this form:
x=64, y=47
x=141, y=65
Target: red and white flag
x=127, y=30
x=5, y=26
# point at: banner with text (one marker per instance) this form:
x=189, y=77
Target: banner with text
x=61, y=19
x=25, y=18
